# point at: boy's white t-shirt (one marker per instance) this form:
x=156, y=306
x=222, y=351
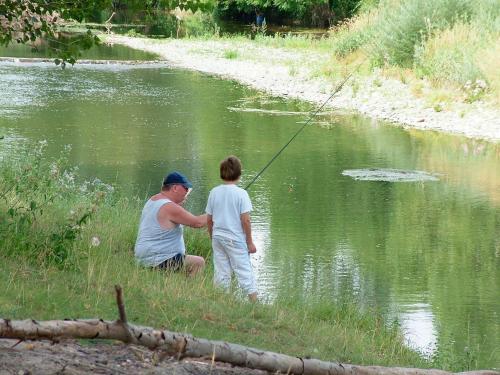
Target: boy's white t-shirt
x=225, y=204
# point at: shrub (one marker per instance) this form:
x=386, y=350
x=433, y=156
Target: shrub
x=352, y=34
x=200, y=24
x=449, y=55
x=404, y=25
x=43, y=208
x=162, y=24
x=230, y=54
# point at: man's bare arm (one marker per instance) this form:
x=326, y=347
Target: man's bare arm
x=176, y=214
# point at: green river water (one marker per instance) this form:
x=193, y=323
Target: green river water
x=426, y=253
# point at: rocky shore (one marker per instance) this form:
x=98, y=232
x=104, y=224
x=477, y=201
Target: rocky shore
x=290, y=73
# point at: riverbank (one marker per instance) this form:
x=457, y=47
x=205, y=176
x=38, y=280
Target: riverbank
x=300, y=74
x=63, y=252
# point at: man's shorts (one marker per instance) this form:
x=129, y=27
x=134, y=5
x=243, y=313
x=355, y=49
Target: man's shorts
x=174, y=264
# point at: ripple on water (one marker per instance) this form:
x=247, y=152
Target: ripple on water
x=389, y=175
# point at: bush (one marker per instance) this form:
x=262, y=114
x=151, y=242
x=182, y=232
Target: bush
x=43, y=208
x=402, y=27
x=162, y=24
x=200, y=24
x=352, y=35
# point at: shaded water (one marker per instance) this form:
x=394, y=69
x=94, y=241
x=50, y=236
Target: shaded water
x=45, y=49
x=426, y=253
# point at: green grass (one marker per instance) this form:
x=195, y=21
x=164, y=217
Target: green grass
x=230, y=54
x=100, y=255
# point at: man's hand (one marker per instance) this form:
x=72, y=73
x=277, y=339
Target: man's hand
x=251, y=248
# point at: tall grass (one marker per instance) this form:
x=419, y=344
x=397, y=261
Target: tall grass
x=402, y=26
x=453, y=42
x=100, y=255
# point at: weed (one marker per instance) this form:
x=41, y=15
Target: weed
x=417, y=88
x=377, y=82
x=293, y=70
x=474, y=90
x=35, y=192
x=231, y=54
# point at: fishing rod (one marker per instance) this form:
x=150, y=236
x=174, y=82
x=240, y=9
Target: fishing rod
x=337, y=89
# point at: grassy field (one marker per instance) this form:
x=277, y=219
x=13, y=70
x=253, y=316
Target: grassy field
x=56, y=265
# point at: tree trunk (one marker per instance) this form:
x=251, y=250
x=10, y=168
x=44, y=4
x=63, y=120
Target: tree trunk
x=182, y=345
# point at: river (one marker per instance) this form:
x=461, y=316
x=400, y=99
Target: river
x=425, y=253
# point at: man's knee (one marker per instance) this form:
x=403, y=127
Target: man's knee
x=195, y=261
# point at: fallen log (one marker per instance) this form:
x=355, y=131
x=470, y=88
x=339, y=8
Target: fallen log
x=183, y=345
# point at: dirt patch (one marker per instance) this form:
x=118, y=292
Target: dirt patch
x=74, y=357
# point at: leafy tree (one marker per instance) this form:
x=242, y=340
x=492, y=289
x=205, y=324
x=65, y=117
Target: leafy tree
x=23, y=21
x=299, y=9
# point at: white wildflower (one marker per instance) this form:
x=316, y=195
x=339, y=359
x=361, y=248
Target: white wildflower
x=54, y=170
x=95, y=241
x=481, y=84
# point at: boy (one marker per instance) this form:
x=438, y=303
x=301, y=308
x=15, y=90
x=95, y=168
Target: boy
x=228, y=220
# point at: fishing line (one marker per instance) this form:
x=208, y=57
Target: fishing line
x=337, y=89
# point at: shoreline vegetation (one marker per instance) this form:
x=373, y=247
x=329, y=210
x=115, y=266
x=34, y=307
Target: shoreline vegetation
x=66, y=243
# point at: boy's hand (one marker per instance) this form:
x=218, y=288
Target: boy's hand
x=251, y=248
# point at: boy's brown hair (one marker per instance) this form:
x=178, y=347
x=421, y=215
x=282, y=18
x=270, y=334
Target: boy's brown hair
x=230, y=168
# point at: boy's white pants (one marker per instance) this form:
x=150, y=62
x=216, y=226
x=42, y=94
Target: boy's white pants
x=229, y=256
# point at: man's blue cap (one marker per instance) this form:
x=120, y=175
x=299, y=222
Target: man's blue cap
x=177, y=178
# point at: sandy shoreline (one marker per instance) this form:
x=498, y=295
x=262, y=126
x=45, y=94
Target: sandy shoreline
x=288, y=73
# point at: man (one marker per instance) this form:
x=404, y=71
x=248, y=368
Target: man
x=160, y=241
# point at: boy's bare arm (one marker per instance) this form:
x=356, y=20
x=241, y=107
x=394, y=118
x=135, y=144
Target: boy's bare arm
x=210, y=225
x=247, y=228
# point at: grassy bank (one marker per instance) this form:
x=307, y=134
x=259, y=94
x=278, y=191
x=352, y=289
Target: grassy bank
x=41, y=214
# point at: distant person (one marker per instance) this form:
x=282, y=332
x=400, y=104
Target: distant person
x=160, y=241
x=259, y=18
x=228, y=219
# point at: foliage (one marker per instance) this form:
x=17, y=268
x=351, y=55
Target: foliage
x=25, y=21
x=230, y=54
x=401, y=29
x=162, y=23
x=351, y=35
x=464, y=54
x=297, y=9
x=155, y=5
x=199, y=24
x=447, y=41
x=34, y=195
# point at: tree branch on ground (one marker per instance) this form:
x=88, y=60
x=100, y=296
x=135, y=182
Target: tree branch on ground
x=183, y=345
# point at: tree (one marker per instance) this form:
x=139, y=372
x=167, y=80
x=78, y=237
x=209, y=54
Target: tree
x=316, y=12
x=24, y=21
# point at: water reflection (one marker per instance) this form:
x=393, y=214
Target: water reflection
x=319, y=234
x=417, y=322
